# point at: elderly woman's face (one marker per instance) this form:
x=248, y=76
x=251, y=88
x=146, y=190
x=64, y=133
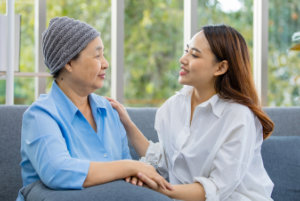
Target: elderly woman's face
x=88, y=70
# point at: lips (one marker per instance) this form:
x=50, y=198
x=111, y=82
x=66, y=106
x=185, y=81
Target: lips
x=183, y=71
x=102, y=75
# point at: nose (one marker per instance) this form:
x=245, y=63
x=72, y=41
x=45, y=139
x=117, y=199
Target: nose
x=183, y=60
x=104, y=63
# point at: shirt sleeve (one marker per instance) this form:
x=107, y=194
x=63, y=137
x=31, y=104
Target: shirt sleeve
x=232, y=160
x=46, y=149
x=155, y=156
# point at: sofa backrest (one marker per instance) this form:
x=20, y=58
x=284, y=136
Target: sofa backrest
x=10, y=141
x=286, y=124
x=286, y=120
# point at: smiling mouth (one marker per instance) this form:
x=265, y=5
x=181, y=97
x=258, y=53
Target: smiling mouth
x=102, y=75
x=183, y=72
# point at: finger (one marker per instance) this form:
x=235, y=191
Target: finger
x=108, y=98
x=112, y=100
x=127, y=179
x=168, y=185
x=160, y=182
x=134, y=180
x=149, y=182
x=140, y=183
x=163, y=183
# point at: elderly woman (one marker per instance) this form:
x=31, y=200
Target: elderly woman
x=72, y=138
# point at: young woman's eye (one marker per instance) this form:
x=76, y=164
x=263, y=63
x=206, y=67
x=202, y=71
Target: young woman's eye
x=195, y=56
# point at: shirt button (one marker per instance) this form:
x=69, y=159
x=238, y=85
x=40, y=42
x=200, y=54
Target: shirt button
x=105, y=155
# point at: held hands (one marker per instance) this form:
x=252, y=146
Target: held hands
x=143, y=180
x=148, y=182
x=134, y=181
x=146, y=175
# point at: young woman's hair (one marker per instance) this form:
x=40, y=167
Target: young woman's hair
x=237, y=83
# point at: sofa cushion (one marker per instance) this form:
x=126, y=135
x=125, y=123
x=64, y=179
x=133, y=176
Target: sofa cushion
x=281, y=156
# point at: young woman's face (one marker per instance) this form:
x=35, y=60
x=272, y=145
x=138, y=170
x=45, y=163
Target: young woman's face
x=198, y=63
x=88, y=71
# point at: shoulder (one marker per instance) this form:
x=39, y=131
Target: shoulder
x=236, y=113
x=44, y=104
x=104, y=103
x=175, y=101
x=100, y=100
x=167, y=105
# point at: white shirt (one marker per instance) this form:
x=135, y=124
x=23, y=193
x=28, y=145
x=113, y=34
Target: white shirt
x=221, y=148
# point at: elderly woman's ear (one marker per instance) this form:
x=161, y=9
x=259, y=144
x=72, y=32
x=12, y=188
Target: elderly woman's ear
x=68, y=67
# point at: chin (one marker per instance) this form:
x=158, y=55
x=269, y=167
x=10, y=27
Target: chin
x=182, y=82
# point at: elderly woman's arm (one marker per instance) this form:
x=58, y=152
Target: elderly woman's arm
x=102, y=172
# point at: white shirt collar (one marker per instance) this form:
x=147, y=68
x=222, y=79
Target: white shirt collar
x=217, y=104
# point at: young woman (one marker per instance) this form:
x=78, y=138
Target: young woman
x=72, y=138
x=211, y=131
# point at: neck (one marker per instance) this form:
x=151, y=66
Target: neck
x=199, y=96
x=74, y=93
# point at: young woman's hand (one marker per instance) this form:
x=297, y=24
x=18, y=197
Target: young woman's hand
x=124, y=117
x=154, y=180
x=150, y=183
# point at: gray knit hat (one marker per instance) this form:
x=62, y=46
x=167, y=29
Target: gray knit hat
x=64, y=39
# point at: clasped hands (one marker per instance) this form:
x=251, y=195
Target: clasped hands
x=149, y=178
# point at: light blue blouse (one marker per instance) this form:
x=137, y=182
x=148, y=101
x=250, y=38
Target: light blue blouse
x=58, y=143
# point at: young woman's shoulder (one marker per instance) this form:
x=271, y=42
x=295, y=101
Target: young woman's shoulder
x=237, y=111
x=178, y=99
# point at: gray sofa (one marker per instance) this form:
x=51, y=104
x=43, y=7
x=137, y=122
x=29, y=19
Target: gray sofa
x=281, y=152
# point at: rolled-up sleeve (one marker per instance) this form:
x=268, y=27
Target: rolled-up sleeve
x=155, y=156
x=231, y=162
x=46, y=149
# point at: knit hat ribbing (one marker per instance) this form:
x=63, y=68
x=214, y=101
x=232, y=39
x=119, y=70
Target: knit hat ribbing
x=64, y=39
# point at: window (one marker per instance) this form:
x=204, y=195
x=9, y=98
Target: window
x=2, y=80
x=235, y=13
x=153, y=45
x=284, y=64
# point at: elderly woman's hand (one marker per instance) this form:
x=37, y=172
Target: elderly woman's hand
x=134, y=181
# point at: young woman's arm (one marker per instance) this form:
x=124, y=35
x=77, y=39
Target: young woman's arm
x=135, y=136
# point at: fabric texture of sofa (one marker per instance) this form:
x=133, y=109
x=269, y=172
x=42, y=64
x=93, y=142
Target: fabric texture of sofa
x=281, y=152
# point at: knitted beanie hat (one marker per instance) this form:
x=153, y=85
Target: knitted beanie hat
x=63, y=40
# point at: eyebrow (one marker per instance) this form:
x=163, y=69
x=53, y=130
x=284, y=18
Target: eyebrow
x=193, y=48
x=98, y=48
